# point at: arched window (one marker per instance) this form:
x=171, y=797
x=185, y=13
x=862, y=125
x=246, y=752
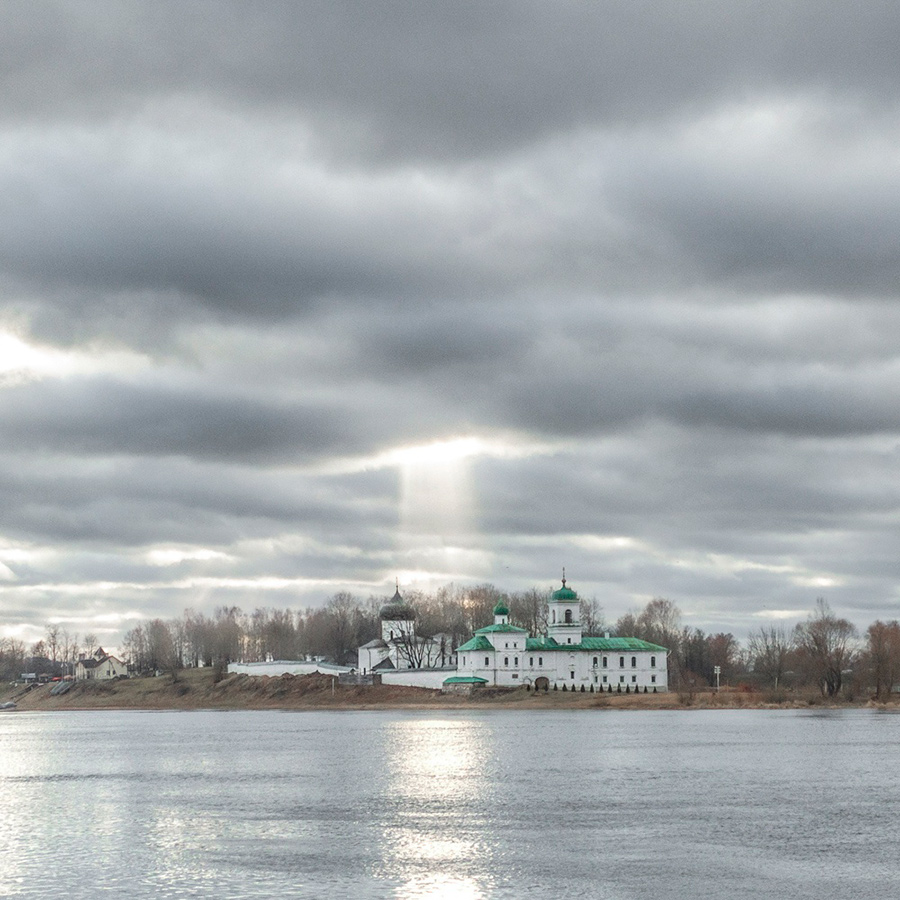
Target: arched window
x=652, y=662
x=554, y=616
x=633, y=662
x=505, y=660
x=621, y=662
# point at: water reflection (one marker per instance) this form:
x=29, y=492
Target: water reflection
x=435, y=847
x=466, y=805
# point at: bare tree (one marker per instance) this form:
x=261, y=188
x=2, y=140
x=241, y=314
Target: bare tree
x=626, y=625
x=343, y=611
x=69, y=650
x=883, y=655
x=415, y=650
x=769, y=650
x=228, y=635
x=53, y=638
x=12, y=658
x=723, y=652
x=528, y=609
x=593, y=624
x=161, y=650
x=135, y=648
x=660, y=623
x=826, y=645
x=479, y=603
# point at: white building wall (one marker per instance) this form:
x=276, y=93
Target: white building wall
x=285, y=667
x=426, y=678
x=513, y=668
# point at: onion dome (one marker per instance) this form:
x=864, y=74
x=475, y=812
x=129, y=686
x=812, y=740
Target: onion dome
x=397, y=609
x=564, y=594
x=501, y=609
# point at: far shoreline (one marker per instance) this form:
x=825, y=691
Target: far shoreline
x=198, y=689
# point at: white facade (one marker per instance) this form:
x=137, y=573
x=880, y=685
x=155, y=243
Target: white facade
x=506, y=656
x=279, y=667
x=425, y=678
x=100, y=666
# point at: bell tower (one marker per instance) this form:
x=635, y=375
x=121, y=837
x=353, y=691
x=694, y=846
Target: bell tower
x=563, y=615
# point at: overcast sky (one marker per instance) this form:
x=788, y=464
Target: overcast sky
x=306, y=297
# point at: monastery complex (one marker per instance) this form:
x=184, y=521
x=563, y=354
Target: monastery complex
x=504, y=655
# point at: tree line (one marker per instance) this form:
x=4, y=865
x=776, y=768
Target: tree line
x=825, y=651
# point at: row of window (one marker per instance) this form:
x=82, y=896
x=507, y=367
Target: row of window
x=633, y=679
x=487, y=662
x=622, y=662
x=540, y=659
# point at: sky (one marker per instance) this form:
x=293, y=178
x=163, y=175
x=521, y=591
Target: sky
x=299, y=298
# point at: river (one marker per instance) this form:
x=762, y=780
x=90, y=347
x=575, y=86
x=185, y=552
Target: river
x=624, y=805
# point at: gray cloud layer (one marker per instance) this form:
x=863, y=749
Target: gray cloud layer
x=649, y=251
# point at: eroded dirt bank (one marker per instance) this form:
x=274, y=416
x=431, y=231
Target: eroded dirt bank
x=197, y=689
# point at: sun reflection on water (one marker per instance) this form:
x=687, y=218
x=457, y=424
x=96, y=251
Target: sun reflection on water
x=433, y=765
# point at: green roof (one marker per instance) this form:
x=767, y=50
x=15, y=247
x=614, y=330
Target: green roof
x=504, y=628
x=465, y=679
x=501, y=609
x=564, y=594
x=541, y=643
x=478, y=642
x=588, y=644
x=609, y=645
x=620, y=643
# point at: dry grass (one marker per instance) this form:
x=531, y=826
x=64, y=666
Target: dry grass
x=197, y=689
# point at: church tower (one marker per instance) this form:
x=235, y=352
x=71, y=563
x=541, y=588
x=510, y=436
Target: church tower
x=398, y=619
x=563, y=615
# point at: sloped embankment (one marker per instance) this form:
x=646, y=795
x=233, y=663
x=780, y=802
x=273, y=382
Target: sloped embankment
x=197, y=689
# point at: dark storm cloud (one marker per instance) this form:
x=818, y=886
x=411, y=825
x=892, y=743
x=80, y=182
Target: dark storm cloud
x=424, y=80
x=134, y=502
x=248, y=240
x=100, y=416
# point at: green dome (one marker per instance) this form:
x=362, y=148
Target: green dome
x=501, y=609
x=564, y=593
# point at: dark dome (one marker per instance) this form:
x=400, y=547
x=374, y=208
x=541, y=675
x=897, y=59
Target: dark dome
x=397, y=610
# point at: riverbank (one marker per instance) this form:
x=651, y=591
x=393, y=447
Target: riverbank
x=197, y=689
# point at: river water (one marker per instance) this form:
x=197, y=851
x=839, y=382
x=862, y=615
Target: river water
x=483, y=804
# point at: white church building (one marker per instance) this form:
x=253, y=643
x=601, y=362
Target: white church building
x=399, y=647
x=504, y=655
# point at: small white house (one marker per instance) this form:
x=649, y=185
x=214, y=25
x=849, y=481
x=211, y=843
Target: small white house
x=504, y=655
x=99, y=666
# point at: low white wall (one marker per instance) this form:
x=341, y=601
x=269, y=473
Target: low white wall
x=285, y=667
x=426, y=678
